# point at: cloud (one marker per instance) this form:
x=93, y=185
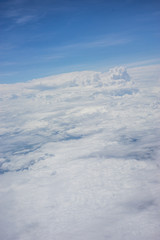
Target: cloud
x=23, y=12
x=106, y=42
x=111, y=40
x=119, y=73
x=25, y=19
x=80, y=152
x=145, y=62
x=2, y=74
x=148, y=75
x=19, y=12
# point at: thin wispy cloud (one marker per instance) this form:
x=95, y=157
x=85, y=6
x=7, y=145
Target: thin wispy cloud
x=18, y=13
x=8, y=63
x=4, y=74
x=23, y=12
x=25, y=19
x=145, y=62
x=98, y=43
x=107, y=42
x=52, y=57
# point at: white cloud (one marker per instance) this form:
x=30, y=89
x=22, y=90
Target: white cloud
x=146, y=75
x=80, y=158
x=145, y=62
x=107, y=41
x=25, y=19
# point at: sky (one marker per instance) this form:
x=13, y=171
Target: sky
x=42, y=38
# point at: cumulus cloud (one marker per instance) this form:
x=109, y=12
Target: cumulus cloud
x=79, y=158
x=119, y=73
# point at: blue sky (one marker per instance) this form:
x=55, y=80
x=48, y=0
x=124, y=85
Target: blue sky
x=41, y=38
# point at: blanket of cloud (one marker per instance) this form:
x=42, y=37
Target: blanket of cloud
x=80, y=158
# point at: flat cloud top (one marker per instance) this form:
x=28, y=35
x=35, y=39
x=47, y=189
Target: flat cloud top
x=80, y=158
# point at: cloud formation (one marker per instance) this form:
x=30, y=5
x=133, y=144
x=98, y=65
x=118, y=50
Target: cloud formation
x=102, y=42
x=79, y=158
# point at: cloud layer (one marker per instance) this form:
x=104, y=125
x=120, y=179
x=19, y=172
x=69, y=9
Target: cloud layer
x=79, y=158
